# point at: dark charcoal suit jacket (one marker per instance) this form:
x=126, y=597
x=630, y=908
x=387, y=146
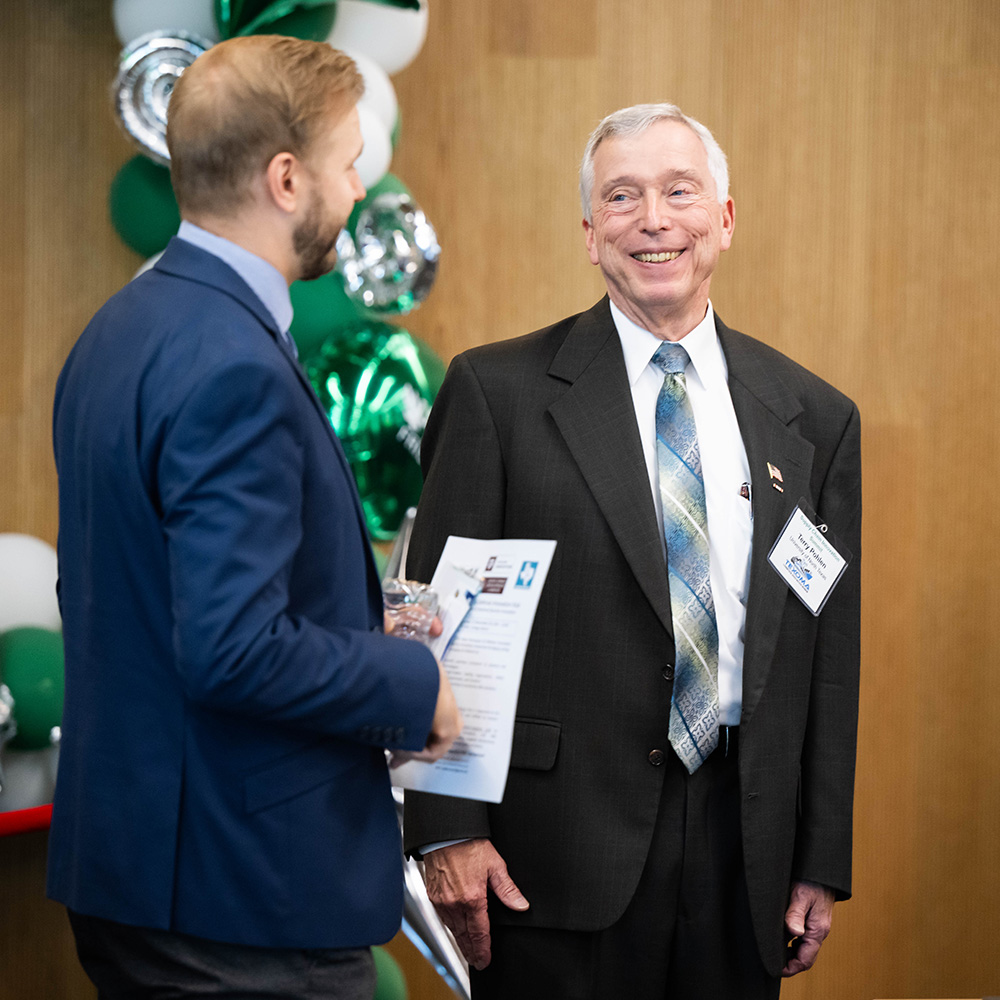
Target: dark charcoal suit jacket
x=536, y=438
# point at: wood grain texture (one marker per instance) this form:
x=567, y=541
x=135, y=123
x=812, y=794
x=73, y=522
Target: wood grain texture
x=37, y=951
x=863, y=148
x=863, y=154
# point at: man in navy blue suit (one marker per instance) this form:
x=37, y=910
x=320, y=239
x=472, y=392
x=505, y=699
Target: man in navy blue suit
x=223, y=824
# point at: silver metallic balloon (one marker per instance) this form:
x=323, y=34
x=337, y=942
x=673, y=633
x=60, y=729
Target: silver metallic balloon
x=389, y=261
x=148, y=68
x=8, y=724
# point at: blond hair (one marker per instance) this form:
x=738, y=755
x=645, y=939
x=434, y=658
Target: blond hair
x=244, y=101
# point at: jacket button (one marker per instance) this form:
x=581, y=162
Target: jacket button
x=668, y=672
x=656, y=757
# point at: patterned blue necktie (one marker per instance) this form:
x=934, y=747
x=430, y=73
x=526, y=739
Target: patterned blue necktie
x=694, y=710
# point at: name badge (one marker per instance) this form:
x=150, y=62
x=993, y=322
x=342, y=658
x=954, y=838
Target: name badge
x=808, y=559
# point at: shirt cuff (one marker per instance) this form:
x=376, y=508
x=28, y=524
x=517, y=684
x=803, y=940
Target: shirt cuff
x=438, y=844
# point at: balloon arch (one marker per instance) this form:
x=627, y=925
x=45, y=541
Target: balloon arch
x=374, y=378
x=377, y=378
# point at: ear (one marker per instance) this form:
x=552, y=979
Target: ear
x=588, y=230
x=283, y=181
x=728, y=223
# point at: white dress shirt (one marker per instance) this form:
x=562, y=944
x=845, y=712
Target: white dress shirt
x=725, y=470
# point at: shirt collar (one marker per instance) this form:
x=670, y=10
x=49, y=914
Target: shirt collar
x=702, y=346
x=264, y=279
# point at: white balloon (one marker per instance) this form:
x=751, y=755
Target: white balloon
x=376, y=156
x=30, y=778
x=28, y=572
x=392, y=36
x=380, y=95
x=138, y=17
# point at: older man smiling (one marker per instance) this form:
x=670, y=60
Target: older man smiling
x=680, y=795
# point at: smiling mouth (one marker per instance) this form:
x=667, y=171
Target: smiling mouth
x=657, y=258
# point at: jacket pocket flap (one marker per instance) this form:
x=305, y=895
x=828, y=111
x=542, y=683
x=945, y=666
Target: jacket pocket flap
x=536, y=743
x=289, y=776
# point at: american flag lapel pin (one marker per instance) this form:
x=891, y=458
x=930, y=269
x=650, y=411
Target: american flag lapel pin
x=775, y=474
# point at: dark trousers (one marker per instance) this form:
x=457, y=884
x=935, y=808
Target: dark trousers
x=686, y=935
x=139, y=963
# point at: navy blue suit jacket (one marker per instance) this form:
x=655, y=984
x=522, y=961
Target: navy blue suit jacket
x=228, y=688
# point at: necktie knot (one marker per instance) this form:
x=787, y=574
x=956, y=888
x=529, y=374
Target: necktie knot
x=670, y=358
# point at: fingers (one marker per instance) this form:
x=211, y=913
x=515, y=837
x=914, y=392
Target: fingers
x=473, y=934
x=457, y=878
x=447, y=723
x=807, y=920
x=445, y=728
x=804, y=954
x=504, y=888
x=426, y=756
x=795, y=919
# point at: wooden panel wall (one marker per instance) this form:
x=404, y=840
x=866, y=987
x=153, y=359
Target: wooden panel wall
x=863, y=149
x=863, y=146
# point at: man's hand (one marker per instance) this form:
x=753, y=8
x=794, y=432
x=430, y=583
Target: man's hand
x=434, y=629
x=807, y=920
x=457, y=878
x=445, y=727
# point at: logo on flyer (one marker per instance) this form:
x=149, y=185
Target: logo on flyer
x=527, y=574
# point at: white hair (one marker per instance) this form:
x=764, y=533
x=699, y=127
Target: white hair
x=636, y=119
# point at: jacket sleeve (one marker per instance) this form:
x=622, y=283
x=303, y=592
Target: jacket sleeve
x=824, y=833
x=230, y=474
x=464, y=487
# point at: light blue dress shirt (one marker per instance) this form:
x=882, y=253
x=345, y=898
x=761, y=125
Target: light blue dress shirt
x=264, y=279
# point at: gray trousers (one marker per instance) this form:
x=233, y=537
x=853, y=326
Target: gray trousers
x=139, y=963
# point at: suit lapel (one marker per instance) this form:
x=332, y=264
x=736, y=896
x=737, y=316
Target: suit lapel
x=596, y=418
x=765, y=408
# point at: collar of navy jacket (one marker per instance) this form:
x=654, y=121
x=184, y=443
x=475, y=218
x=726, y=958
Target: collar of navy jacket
x=184, y=260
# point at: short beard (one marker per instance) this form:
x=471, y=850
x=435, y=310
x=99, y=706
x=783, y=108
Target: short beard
x=312, y=245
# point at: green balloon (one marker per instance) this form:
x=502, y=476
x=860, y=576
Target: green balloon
x=31, y=665
x=376, y=383
x=311, y=23
x=390, y=983
x=388, y=182
x=143, y=207
x=310, y=19
x=321, y=307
